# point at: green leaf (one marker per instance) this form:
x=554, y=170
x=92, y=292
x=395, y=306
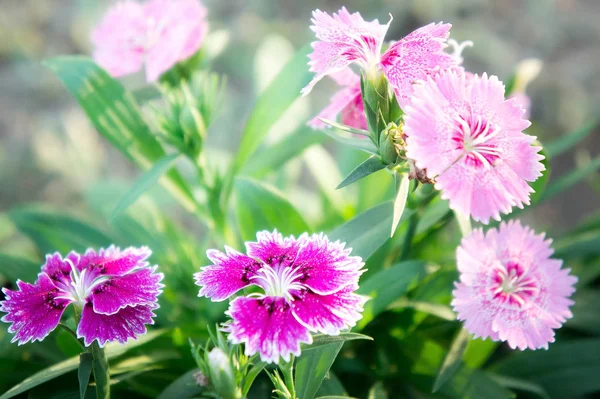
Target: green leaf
x=369, y=166
x=55, y=231
x=115, y=114
x=377, y=391
x=58, y=369
x=566, y=369
x=402, y=186
x=345, y=128
x=323, y=339
x=474, y=384
x=479, y=351
x=453, y=360
x=14, y=268
x=388, y=285
x=182, y=388
x=83, y=375
x=262, y=207
x=569, y=179
x=586, y=311
x=352, y=141
x=251, y=376
x=101, y=374
x=336, y=397
x=367, y=231
x=519, y=385
x=274, y=157
x=433, y=214
x=273, y=102
x=570, y=140
x=145, y=182
x=311, y=368
x=434, y=309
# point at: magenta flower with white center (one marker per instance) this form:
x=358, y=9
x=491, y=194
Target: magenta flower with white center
x=157, y=33
x=115, y=290
x=345, y=39
x=510, y=289
x=346, y=102
x=470, y=140
x=307, y=284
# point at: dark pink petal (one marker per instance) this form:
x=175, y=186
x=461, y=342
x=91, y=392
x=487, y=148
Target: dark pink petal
x=129, y=322
x=59, y=269
x=34, y=310
x=346, y=102
x=273, y=249
x=114, y=262
x=416, y=57
x=326, y=267
x=328, y=314
x=137, y=288
x=231, y=272
x=266, y=326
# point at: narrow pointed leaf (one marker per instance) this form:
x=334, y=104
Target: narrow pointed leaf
x=369, y=166
x=464, y=223
x=570, y=140
x=101, y=374
x=183, y=387
x=569, y=179
x=453, y=359
x=355, y=142
x=400, y=201
x=14, y=268
x=312, y=367
x=83, y=374
x=323, y=339
x=251, y=376
x=345, y=128
x=144, y=183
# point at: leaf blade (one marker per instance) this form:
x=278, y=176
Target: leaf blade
x=369, y=166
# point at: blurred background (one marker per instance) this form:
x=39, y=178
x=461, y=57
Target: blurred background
x=50, y=153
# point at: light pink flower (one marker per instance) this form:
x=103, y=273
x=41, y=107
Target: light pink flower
x=470, y=140
x=347, y=103
x=116, y=291
x=510, y=289
x=345, y=38
x=308, y=285
x=158, y=33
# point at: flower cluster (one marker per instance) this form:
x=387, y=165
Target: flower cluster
x=114, y=291
x=307, y=285
x=158, y=33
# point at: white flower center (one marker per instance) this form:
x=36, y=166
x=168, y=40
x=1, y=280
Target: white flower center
x=279, y=281
x=81, y=285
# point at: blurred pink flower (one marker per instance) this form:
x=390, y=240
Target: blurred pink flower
x=510, y=289
x=308, y=285
x=470, y=140
x=116, y=291
x=346, y=102
x=344, y=39
x=158, y=33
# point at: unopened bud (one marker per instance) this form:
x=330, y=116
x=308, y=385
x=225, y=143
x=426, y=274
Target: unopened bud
x=193, y=127
x=222, y=376
x=391, y=143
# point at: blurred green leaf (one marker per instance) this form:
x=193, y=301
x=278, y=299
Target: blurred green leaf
x=433, y=214
x=311, y=368
x=144, y=183
x=567, y=369
x=570, y=140
x=519, y=385
x=402, y=185
x=14, y=268
x=273, y=102
x=479, y=351
x=83, y=374
x=344, y=128
x=388, y=285
x=115, y=114
x=251, y=376
x=54, y=231
x=569, y=179
x=377, y=391
x=453, y=359
x=586, y=311
x=336, y=397
x=262, y=207
x=358, y=143
x=183, y=387
x=370, y=165
x=323, y=339
x=434, y=309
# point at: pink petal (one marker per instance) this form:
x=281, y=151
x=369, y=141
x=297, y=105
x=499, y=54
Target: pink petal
x=416, y=57
x=231, y=272
x=34, y=310
x=137, y=288
x=266, y=326
x=326, y=266
x=329, y=314
x=129, y=322
x=59, y=269
x=114, y=262
x=273, y=249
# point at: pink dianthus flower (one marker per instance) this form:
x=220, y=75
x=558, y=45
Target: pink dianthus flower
x=307, y=285
x=510, y=289
x=116, y=291
x=158, y=33
x=344, y=39
x=470, y=140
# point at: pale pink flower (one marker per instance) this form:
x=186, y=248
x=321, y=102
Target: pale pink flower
x=347, y=103
x=344, y=39
x=470, y=140
x=510, y=289
x=308, y=285
x=158, y=33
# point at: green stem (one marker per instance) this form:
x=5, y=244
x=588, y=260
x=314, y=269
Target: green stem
x=101, y=373
x=71, y=332
x=408, y=237
x=287, y=370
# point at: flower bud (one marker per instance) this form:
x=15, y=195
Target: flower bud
x=391, y=143
x=222, y=376
x=193, y=127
